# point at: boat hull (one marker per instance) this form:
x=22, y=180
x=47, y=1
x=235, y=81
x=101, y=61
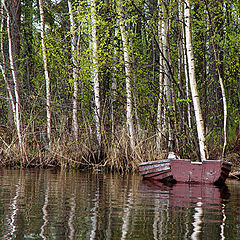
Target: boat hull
x=156, y=170
x=183, y=170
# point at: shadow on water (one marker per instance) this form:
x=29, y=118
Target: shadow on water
x=50, y=204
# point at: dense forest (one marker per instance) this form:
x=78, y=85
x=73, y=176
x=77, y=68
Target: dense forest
x=114, y=83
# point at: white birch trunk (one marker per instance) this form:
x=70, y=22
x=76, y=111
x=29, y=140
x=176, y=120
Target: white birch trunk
x=15, y=81
x=167, y=77
x=95, y=75
x=193, y=85
x=165, y=81
x=46, y=73
x=3, y=68
x=224, y=99
x=185, y=63
x=74, y=61
x=128, y=76
x=161, y=113
x=225, y=113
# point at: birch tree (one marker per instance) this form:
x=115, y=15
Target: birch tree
x=16, y=105
x=167, y=74
x=165, y=103
x=193, y=84
x=220, y=78
x=3, y=66
x=161, y=113
x=94, y=71
x=46, y=73
x=185, y=63
x=74, y=62
x=127, y=67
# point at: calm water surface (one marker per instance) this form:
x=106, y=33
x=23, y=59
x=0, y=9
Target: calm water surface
x=51, y=204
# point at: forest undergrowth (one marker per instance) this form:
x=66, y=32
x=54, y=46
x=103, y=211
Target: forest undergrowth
x=114, y=154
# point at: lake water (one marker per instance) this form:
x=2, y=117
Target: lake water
x=60, y=204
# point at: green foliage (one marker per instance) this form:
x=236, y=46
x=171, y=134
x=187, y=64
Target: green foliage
x=141, y=21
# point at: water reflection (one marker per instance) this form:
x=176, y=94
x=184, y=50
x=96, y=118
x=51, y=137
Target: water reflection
x=126, y=216
x=197, y=224
x=194, y=199
x=13, y=212
x=45, y=212
x=71, y=216
x=223, y=222
x=51, y=204
x=94, y=212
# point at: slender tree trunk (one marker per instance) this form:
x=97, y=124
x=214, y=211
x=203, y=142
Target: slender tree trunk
x=27, y=29
x=185, y=64
x=170, y=95
x=3, y=67
x=46, y=73
x=193, y=85
x=74, y=61
x=127, y=66
x=161, y=112
x=181, y=108
x=167, y=76
x=15, y=15
x=187, y=84
x=220, y=78
x=138, y=127
x=114, y=82
x=225, y=112
x=16, y=110
x=95, y=75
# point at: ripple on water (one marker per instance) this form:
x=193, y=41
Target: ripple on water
x=50, y=204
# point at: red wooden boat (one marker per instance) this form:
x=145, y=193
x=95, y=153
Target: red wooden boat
x=183, y=170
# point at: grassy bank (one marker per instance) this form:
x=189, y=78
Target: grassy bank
x=63, y=151
x=115, y=152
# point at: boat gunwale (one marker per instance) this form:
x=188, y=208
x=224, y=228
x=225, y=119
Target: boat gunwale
x=154, y=162
x=168, y=160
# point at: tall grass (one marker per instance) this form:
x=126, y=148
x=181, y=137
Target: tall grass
x=114, y=154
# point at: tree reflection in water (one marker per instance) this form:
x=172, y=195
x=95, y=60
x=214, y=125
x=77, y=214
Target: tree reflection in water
x=44, y=210
x=197, y=228
x=51, y=204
